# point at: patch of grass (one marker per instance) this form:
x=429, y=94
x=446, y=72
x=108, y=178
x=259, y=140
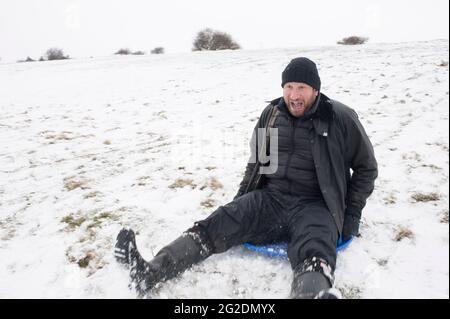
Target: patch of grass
x=350, y=292
x=212, y=183
x=100, y=218
x=10, y=233
x=390, y=199
x=162, y=115
x=73, y=222
x=426, y=197
x=208, y=203
x=64, y=136
x=91, y=195
x=142, y=181
x=382, y=262
x=444, y=218
x=71, y=184
x=181, y=182
x=84, y=262
x=402, y=233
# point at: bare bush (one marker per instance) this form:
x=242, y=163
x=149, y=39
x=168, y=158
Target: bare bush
x=138, y=53
x=353, y=40
x=208, y=39
x=28, y=59
x=55, y=54
x=157, y=50
x=123, y=51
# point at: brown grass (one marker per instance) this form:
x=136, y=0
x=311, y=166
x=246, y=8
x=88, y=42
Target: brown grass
x=91, y=195
x=74, y=184
x=84, y=262
x=73, y=222
x=208, y=203
x=181, y=182
x=212, y=183
x=444, y=218
x=402, y=233
x=390, y=199
x=100, y=218
x=426, y=197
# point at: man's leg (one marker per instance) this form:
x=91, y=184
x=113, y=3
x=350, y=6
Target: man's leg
x=312, y=250
x=252, y=217
x=255, y=217
x=190, y=248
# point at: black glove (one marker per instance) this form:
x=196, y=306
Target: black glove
x=351, y=224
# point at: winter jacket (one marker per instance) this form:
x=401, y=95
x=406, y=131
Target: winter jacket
x=295, y=172
x=343, y=155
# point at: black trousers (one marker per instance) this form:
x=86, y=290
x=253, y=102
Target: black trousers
x=267, y=216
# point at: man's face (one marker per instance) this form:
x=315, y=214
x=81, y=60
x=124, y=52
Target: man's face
x=299, y=97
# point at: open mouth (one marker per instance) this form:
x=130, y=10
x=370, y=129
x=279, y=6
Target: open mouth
x=297, y=105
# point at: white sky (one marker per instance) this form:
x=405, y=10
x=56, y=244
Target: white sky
x=100, y=27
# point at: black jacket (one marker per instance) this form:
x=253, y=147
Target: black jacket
x=340, y=144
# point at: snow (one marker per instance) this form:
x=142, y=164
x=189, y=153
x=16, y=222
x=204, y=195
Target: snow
x=91, y=145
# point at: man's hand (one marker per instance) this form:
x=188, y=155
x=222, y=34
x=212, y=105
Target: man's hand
x=351, y=225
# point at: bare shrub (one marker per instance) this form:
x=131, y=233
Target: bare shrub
x=55, y=54
x=208, y=39
x=123, y=51
x=28, y=59
x=157, y=50
x=353, y=40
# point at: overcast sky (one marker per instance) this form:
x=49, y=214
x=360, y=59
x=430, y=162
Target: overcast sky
x=100, y=27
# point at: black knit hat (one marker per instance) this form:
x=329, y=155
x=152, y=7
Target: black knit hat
x=301, y=70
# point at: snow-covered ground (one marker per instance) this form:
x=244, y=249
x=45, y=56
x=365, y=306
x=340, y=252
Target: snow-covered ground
x=90, y=145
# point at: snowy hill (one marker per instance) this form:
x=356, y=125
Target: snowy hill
x=157, y=142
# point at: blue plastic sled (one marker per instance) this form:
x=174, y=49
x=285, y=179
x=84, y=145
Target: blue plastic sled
x=280, y=250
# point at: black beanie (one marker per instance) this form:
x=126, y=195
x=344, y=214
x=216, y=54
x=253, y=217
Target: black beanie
x=301, y=70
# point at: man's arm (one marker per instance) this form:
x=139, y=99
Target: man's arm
x=361, y=159
x=250, y=168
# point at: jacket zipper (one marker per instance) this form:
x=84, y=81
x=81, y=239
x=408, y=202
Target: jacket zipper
x=291, y=153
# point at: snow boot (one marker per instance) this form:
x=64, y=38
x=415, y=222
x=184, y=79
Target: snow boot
x=190, y=248
x=330, y=293
x=312, y=279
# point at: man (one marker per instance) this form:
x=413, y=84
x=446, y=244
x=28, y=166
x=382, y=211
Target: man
x=310, y=199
